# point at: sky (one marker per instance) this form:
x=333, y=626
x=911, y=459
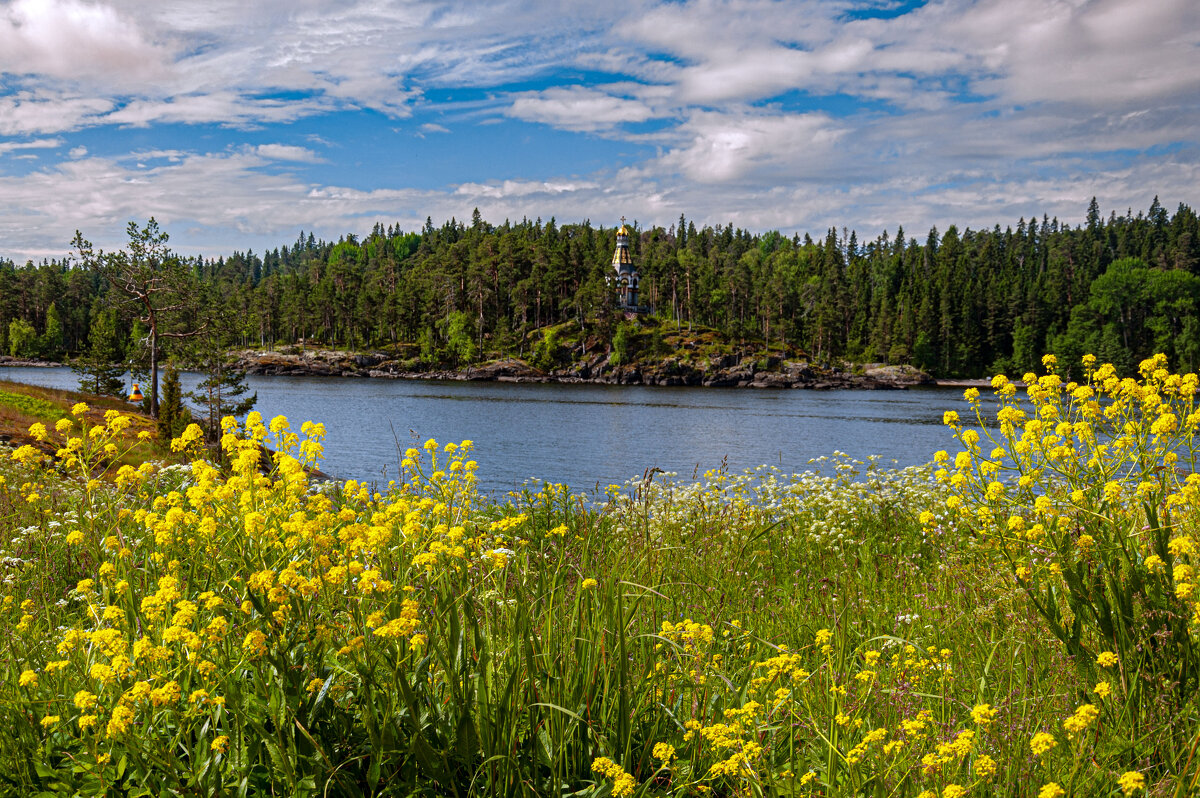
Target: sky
x=237, y=125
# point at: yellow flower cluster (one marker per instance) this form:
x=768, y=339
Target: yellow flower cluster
x=1092, y=475
x=688, y=653
x=197, y=586
x=1041, y=743
x=1081, y=719
x=623, y=783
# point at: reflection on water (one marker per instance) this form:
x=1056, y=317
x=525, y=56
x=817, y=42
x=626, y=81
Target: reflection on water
x=589, y=435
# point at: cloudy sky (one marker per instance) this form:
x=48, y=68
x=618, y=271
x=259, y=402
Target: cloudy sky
x=239, y=124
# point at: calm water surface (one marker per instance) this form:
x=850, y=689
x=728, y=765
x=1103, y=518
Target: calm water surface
x=589, y=435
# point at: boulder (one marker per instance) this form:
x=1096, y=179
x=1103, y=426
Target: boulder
x=508, y=370
x=903, y=375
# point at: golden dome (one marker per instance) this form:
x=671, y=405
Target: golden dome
x=623, y=231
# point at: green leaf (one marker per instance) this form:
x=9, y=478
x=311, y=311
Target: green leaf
x=305, y=787
x=319, y=700
x=373, y=774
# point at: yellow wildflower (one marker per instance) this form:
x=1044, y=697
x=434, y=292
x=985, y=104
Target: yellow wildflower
x=1082, y=718
x=1131, y=781
x=623, y=783
x=118, y=724
x=1041, y=743
x=985, y=767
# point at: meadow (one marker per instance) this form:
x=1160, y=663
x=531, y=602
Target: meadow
x=1014, y=619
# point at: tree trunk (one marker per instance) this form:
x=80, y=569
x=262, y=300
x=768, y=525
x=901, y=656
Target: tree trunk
x=154, y=371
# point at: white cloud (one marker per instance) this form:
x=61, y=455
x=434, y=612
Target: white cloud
x=226, y=194
x=578, y=108
x=171, y=156
x=222, y=107
x=25, y=112
x=77, y=41
x=726, y=148
x=32, y=144
x=508, y=189
x=1062, y=91
x=287, y=152
x=1100, y=53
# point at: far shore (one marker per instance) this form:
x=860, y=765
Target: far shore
x=326, y=363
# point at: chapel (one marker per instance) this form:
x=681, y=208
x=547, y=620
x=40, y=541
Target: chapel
x=626, y=279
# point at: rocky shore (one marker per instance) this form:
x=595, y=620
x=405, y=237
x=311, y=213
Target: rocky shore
x=5, y=360
x=726, y=371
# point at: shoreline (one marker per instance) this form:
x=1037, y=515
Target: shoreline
x=730, y=372
x=961, y=383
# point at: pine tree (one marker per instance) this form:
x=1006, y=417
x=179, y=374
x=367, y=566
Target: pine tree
x=150, y=279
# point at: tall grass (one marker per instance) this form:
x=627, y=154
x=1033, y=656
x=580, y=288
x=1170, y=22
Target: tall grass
x=187, y=630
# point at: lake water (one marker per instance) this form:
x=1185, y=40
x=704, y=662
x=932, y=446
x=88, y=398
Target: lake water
x=591, y=435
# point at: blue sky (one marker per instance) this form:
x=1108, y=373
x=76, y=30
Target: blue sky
x=237, y=125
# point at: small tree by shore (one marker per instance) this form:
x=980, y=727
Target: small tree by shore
x=99, y=366
x=223, y=390
x=173, y=416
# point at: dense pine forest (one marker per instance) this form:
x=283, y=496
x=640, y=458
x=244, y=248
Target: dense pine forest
x=955, y=303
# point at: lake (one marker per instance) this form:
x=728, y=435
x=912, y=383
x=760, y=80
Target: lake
x=591, y=435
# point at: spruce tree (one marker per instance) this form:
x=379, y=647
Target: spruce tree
x=173, y=417
x=223, y=390
x=52, y=336
x=99, y=367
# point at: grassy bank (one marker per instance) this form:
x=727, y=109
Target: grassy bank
x=22, y=406
x=185, y=630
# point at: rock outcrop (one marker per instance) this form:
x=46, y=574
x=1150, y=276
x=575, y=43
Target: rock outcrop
x=728, y=370
x=6, y=360
x=308, y=362
x=900, y=376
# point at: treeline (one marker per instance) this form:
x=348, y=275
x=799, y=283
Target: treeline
x=957, y=303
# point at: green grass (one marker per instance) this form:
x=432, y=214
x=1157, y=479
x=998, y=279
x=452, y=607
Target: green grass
x=40, y=409
x=22, y=405
x=781, y=634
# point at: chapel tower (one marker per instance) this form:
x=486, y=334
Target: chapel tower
x=626, y=274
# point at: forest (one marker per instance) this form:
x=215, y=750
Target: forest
x=959, y=303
